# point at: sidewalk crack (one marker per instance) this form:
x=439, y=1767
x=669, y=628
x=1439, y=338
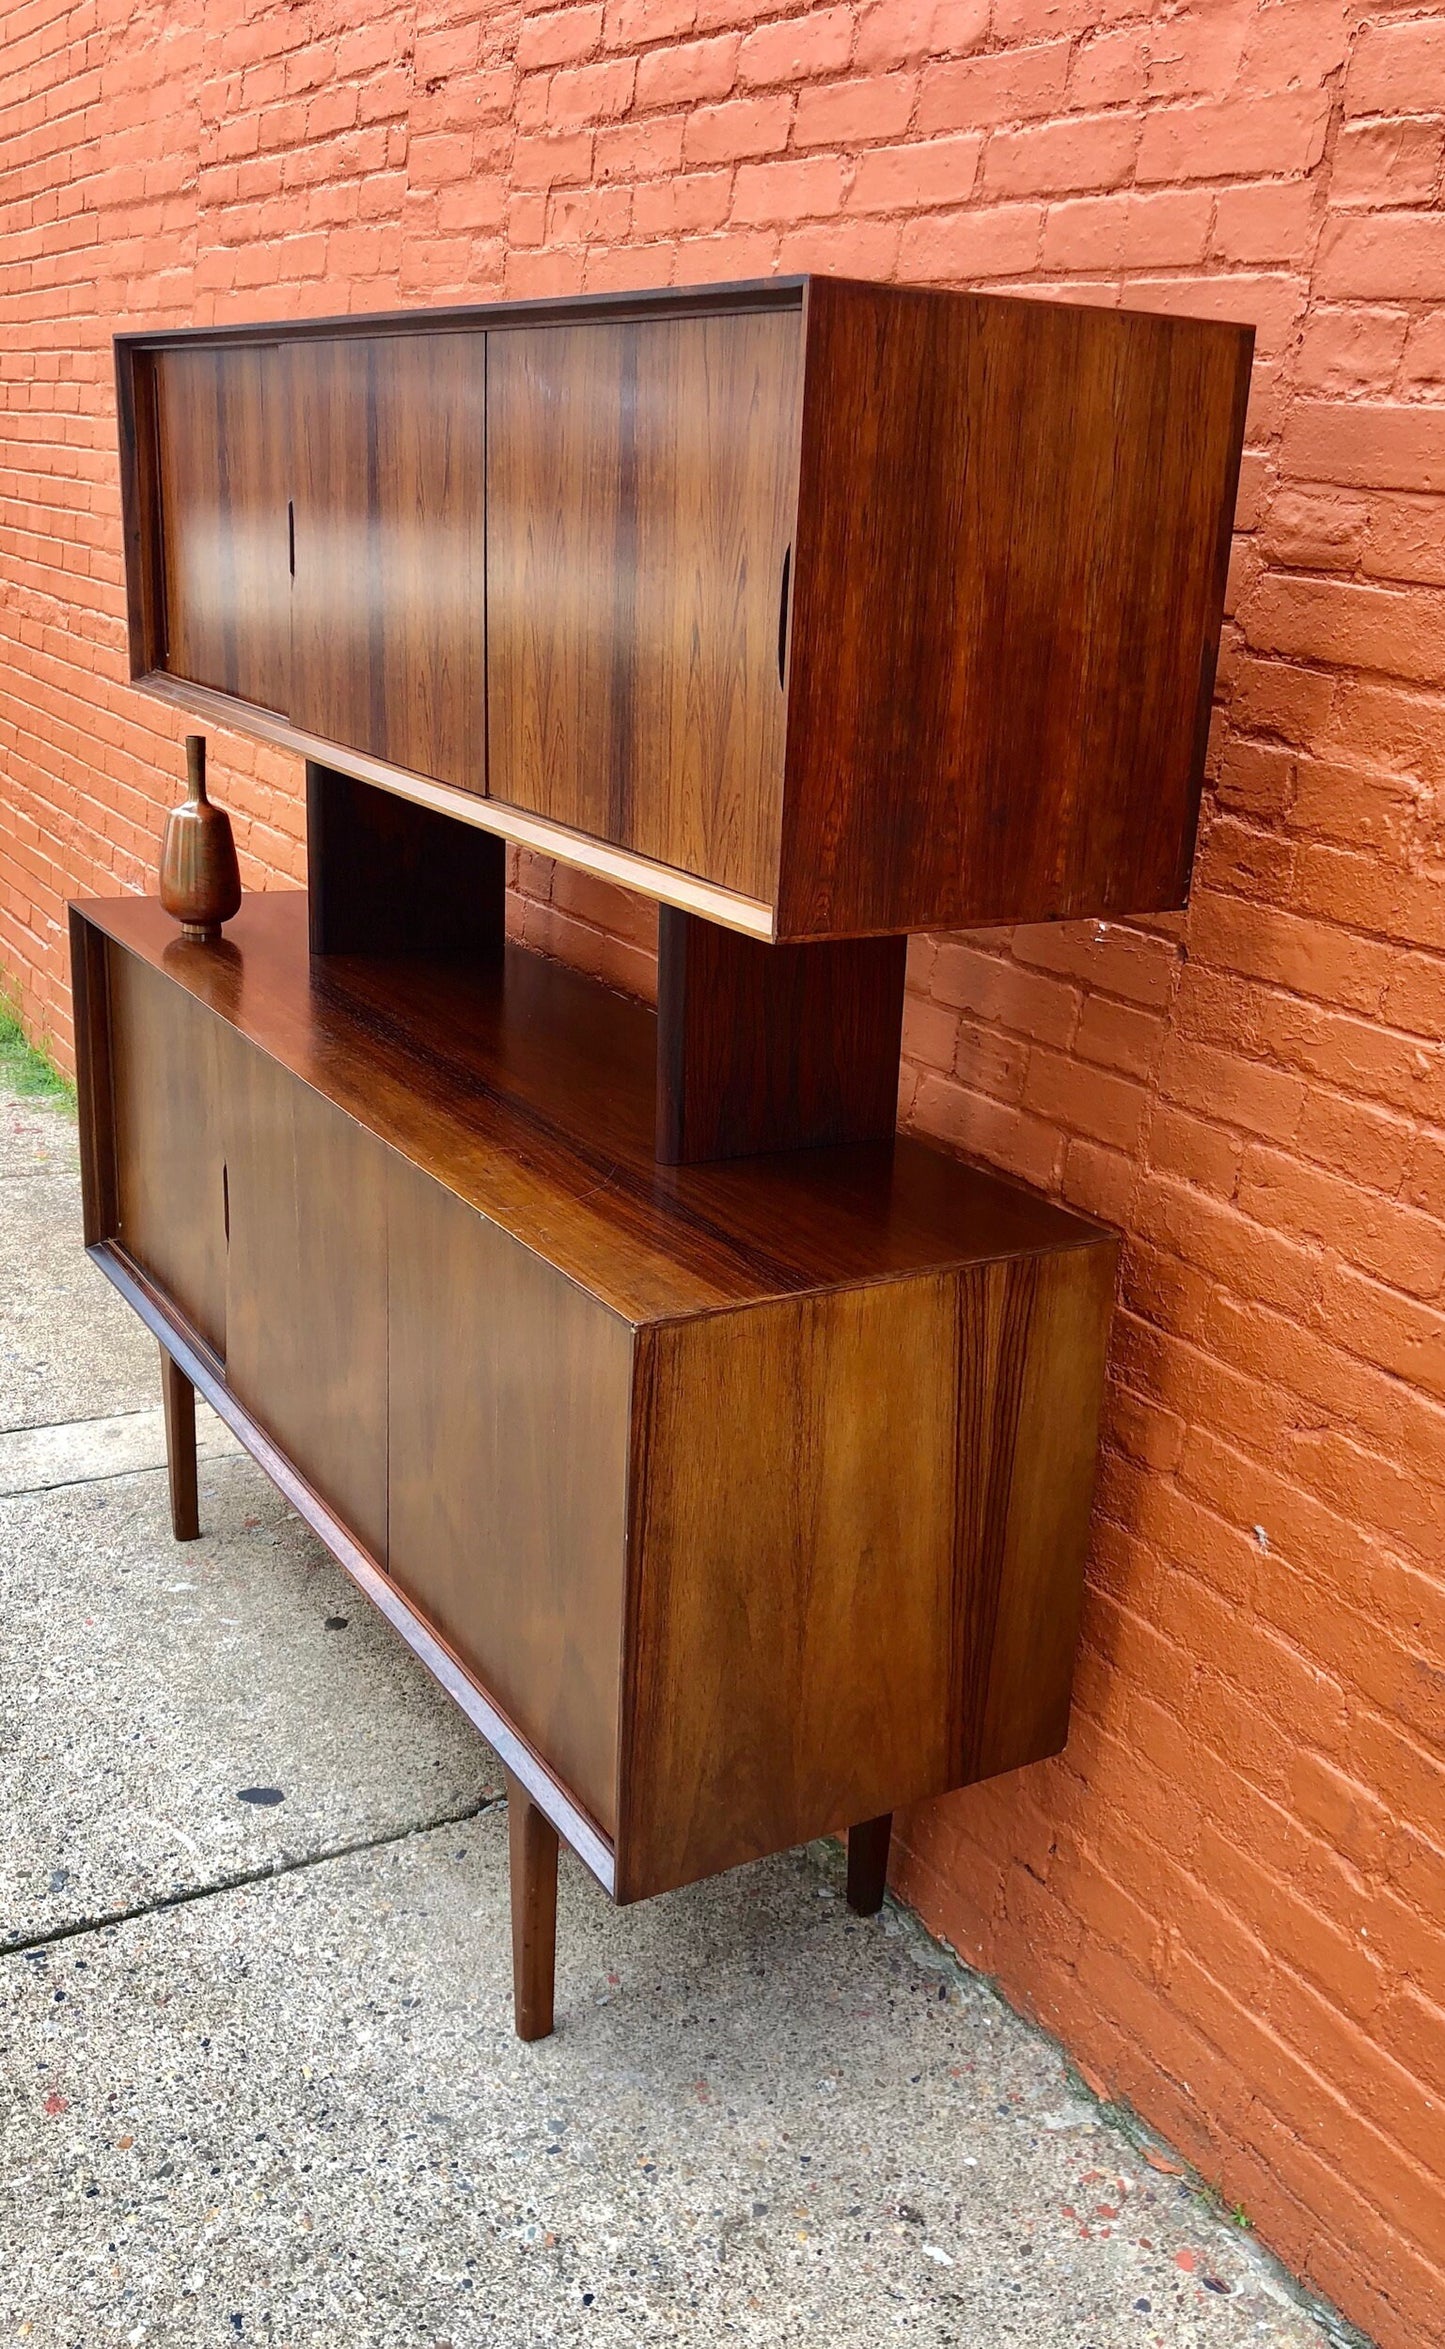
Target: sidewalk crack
x=79, y=1927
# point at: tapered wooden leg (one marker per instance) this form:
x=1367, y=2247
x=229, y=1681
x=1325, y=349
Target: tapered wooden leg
x=532, y=1840
x=868, y=1864
x=179, y=1398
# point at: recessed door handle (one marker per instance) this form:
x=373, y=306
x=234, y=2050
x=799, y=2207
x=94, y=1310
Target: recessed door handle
x=783, y=615
x=291, y=536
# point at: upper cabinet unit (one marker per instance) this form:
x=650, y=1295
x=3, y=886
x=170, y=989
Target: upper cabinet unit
x=823, y=609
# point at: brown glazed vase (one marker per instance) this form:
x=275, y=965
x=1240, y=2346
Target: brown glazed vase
x=200, y=882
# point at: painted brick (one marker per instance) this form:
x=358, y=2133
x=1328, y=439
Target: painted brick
x=1398, y=68
x=845, y=114
x=1092, y=151
x=1382, y=256
x=688, y=73
x=1235, y=138
x=800, y=49
x=923, y=173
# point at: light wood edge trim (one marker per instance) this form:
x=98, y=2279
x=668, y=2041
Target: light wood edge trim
x=662, y=882
x=203, y=1368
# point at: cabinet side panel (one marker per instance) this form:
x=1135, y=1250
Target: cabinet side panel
x=307, y=1284
x=1008, y=593
x=135, y=408
x=508, y=1461
x=221, y=433
x=640, y=491
x=1031, y=1342
x=95, y=1099
x=789, y=1667
x=169, y=1146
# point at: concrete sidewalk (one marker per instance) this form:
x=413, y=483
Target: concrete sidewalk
x=257, y=2074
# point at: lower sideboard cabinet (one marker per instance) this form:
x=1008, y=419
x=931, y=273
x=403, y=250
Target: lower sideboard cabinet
x=736, y=1504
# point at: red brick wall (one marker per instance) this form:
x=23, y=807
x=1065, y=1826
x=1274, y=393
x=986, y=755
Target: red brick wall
x=1227, y=1896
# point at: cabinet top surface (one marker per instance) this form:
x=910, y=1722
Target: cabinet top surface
x=757, y=293
x=529, y=1092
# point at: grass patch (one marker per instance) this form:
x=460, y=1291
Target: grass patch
x=26, y=1069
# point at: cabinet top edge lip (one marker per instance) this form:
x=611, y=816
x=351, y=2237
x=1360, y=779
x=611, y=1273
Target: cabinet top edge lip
x=725, y=298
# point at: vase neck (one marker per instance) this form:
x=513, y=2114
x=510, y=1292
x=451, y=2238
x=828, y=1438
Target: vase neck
x=196, y=769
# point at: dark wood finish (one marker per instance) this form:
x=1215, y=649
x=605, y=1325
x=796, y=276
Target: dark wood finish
x=530, y=1094
x=899, y=1477
x=178, y=1399
x=388, y=453
x=868, y=1841
x=169, y=1137
x=1004, y=632
x=749, y=1500
x=90, y=1006
x=308, y=1256
x=532, y=1849
x=1004, y=524
x=207, y=1374
x=773, y=1047
x=135, y=407
x=508, y=1475
x=640, y=484
x=385, y=876
x=221, y=443
x=1031, y=1336
x=790, y=1577
x=689, y=301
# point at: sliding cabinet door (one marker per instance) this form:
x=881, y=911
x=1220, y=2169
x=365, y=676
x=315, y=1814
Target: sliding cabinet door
x=640, y=486
x=388, y=441
x=221, y=429
x=306, y=1286
x=170, y=1064
x=509, y=1433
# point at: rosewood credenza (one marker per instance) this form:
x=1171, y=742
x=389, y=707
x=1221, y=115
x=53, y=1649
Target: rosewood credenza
x=728, y=1458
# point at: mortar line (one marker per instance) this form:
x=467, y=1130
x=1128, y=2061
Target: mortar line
x=80, y=1928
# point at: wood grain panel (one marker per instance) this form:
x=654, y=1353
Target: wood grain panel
x=221, y=431
x=530, y=1092
x=167, y=1056
x=95, y=1096
x=385, y=876
x=640, y=484
x=1005, y=627
x=792, y=1541
x=306, y=1295
x=858, y=1551
x=1031, y=1343
x=510, y=1392
x=389, y=441
x=773, y=1047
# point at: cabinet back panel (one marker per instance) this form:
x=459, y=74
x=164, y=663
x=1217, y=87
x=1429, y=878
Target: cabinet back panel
x=508, y=1463
x=307, y=1284
x=1004, y=634
x=388, y=472
x=221, y=427
x=166, y=1078
x=641, y=483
